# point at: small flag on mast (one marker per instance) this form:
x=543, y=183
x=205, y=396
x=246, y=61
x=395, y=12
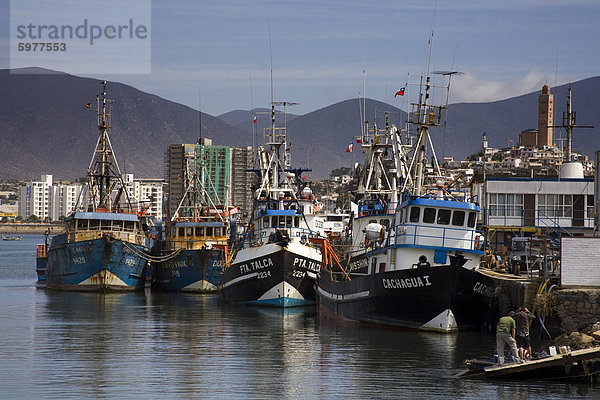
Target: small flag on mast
x=400, y=92
x=350, y=148
x=88, y=105
x=254, y=120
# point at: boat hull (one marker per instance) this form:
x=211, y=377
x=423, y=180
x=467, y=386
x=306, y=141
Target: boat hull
x=102, y=264
x=41, y=265
x=275, y=275
x=441, y=298
x=197, y=271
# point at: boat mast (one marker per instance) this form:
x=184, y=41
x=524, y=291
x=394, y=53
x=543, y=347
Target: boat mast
x=104, y=175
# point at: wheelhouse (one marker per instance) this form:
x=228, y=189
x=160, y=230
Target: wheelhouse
x=196, y=234
x=93, y=225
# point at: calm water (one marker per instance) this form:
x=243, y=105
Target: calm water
x=173, y=346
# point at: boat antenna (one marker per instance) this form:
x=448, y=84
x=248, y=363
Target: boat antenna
x=364, y=100
x=199, y=113
x=252, y=115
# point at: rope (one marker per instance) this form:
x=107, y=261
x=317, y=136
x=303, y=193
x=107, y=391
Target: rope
x=152, y=258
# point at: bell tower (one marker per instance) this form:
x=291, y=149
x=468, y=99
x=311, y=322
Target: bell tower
x=545, y=120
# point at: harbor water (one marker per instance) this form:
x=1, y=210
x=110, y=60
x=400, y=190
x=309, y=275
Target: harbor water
x=63, y=345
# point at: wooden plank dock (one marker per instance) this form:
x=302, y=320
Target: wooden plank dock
x=574, y=365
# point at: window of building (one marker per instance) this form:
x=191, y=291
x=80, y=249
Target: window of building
x=429, y=215
x=555, y=205
x=506, y=205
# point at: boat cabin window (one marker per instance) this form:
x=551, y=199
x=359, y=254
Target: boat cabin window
x=129, y=225
x=117, y=225
x=82, y=224
x=189, y=231
x=274, y=220
x=94, y=224
x=209, y=231
x=458, y=218
x=265, y=222
x=429, y=215
x=472, y=220
x=373, y=221
x=288, y=221
x=105, y=225
x=174, y=232
x=443, y=217
x=217, y=231
x=385, y=222
x=181, y=232
x=415, y=213
x=296, y=221
x=199, y=231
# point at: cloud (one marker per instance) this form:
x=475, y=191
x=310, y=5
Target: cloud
x=475, y=89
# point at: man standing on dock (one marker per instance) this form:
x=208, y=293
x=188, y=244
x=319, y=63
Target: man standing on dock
x=505, y=333
x=522, y=318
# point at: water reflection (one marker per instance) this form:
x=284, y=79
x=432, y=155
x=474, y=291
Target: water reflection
x=164, y=345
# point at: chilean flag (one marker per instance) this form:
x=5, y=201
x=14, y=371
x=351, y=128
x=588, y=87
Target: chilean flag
x=254, y=120
x=400, y=92
x=350, y=148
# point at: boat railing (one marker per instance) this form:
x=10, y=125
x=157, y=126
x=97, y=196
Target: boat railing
x=262, y=236
x=443, y=194
x=555, y=216
x=195, y=242
x=128, y=235
x=437, y=236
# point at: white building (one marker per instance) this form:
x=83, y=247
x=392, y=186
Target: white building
x=46, y=199
x=63, y=198
x=146, y=194
x=538, y=202
x=34, y=198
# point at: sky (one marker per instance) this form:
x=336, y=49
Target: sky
x=217, y=56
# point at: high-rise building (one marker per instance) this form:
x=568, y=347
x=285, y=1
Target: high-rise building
x=222, y=171
x=242, y=178
x=34, y=198
x=63, y=199
x=175, y=167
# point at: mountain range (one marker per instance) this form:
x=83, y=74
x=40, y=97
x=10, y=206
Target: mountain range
x=45, y=127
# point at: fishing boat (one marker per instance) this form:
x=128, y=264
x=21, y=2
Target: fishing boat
x=274, y=263
x=193, y=252
x=415, y=248
x=105, y=246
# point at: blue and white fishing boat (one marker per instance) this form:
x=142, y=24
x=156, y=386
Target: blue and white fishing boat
x=105, y=245
x=192, y=253
x=275, y=264
x=415, y=248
